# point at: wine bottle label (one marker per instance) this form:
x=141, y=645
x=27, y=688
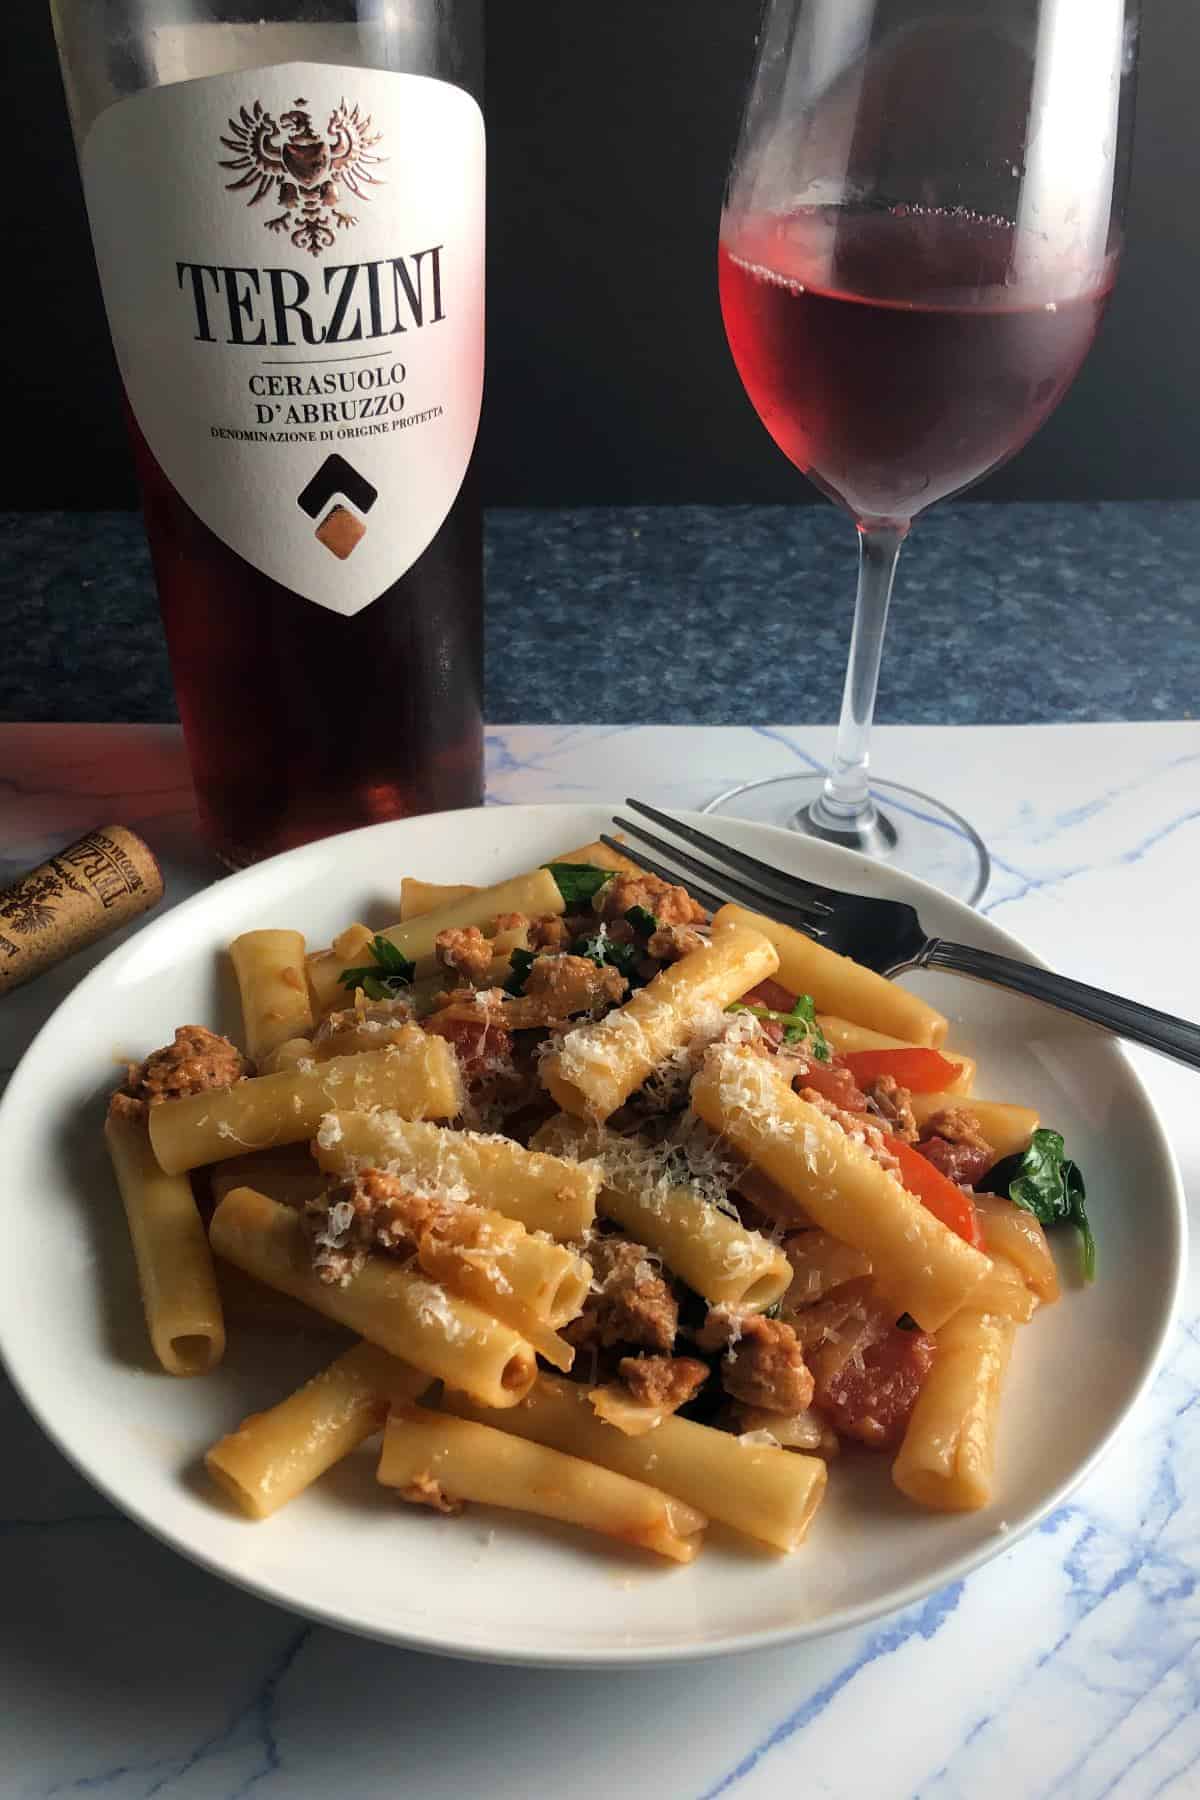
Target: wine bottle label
x=292, y=264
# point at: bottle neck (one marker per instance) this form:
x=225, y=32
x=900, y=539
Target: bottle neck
x=122, y=47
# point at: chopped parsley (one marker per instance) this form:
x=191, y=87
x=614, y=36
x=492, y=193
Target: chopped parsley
x=386, y=976
x=800, y=1023
x=521, y=961
x=579, y=882
x=1045, y=1182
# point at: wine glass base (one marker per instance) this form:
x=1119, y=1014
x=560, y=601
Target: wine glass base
x=911, y=831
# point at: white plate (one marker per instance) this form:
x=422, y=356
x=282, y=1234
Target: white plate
x=487, y=1584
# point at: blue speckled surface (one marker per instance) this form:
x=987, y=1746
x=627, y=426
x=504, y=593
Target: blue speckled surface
x=1005, y=614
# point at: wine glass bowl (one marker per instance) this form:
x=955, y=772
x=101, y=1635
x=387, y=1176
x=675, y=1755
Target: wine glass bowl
x=887, y=353
x=920, y=235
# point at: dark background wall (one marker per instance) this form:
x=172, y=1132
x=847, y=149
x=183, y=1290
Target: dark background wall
x=608, y=378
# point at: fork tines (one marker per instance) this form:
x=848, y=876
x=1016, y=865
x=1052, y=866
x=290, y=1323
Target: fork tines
x=653, y=867
x=768, y=890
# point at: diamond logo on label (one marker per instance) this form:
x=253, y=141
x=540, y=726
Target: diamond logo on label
x=303, y=167
x=340, y=530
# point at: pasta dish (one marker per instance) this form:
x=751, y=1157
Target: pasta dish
x=612, y=1211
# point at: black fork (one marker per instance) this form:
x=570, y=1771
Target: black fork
x=885, y=935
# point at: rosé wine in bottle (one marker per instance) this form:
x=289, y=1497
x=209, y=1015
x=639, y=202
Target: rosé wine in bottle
x=287, y=204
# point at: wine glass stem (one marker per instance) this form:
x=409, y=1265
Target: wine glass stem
x=845, y=805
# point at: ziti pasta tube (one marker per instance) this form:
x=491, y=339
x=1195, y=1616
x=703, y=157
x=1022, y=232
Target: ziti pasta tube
x=420, y=897
x=1004, y=1293
x=536, y=895
x=404, y=1313
x=174, y=1262
x=288, y=1174
x=545, y=1193
x=718, y=1256
x=598, y=856
x=275, y=1455
x=765, y=1493
x=471, y=1461
x=361, y=1037
x=324, y=968
x=1016, y=1236
x=418, y=1077
x=506, y=1269
x=948, y=1455
x=248, y=1304
x=840, y=986
x=919, y=1264
x=269, y=966
x=599, y=1064
x=819, y=1264
x=290, y=1054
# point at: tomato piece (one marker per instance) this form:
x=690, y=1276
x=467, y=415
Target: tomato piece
x=770, y=994
x=872, y=1395
x=483, y=1046
x=944, y=1200
x=920, y=1071
x=833, y=1082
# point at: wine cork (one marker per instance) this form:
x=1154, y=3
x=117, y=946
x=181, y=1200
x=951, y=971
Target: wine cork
x=79, y=896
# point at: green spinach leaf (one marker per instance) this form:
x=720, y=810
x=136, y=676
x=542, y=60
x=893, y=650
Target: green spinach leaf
x=579, y=882
x=521, y=961
x=600, y=948
x=642, y=920
x=1045, y=1182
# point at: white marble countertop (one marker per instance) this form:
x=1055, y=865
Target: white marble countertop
x=1069, y=1667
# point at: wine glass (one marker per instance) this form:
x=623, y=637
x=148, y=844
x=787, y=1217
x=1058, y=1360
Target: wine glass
x=920, y=234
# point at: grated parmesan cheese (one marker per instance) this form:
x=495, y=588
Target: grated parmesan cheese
x=337, y=1226
x=329, y=1132
x=596, y=1043
x=434, y=1308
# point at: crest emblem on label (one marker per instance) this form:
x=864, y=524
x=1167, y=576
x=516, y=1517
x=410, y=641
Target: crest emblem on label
x=303, y=169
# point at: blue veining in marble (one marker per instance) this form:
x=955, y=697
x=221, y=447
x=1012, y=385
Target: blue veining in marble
x=1156, y=837
x=889, y=802
x=253, y=1724
x=774, y=735
x=257, y=1717
x=922, y=1621
x=1058, y=877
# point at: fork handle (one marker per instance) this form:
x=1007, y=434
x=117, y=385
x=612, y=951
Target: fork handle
x=1159, y=1031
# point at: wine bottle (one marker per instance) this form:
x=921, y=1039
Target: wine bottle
x=287, y=206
